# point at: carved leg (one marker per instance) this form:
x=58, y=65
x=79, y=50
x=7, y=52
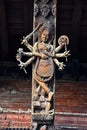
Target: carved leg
x=42, y=92
x=47, y=90
x=48, y=105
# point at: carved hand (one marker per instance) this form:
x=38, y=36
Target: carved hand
x=24, y=41
x=43, y=56
x=66, y=53
x=21, y=65
x=19, y=54
x=61, y=66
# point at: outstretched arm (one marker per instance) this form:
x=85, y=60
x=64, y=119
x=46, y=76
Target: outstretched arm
x=59, y=64
x=23, y=65
x=27, y=54
x=64, y=54
x=25, y=42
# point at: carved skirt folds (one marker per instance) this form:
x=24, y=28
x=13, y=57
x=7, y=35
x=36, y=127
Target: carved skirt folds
x=44, y=69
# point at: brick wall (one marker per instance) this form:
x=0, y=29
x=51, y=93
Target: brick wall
x=72, y=121
x=70, y=98
x=8, y=120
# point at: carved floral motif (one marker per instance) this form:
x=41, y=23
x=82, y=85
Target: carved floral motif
x=45, y=10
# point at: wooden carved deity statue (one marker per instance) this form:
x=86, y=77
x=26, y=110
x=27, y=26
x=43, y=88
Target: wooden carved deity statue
x=44, y=54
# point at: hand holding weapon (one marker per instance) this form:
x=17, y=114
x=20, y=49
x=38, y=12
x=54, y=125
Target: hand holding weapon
x=64, y=40
x=18, y=57
x=30, y=35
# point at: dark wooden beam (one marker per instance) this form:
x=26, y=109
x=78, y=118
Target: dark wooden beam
x=76, y=20
x=3, y=31
x=28, y=17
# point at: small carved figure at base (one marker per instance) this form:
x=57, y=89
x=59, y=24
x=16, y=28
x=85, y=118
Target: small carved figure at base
x=43, y=127
x=34, y=126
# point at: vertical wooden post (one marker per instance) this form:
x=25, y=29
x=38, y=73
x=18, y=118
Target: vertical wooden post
x=43, y=54
x=27, y=16
x=76, y=21
x=44, y=13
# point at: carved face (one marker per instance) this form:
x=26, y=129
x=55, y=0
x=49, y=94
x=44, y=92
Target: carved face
x=45, y=36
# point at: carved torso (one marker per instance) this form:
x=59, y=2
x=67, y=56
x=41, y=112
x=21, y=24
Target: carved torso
x=44, y=68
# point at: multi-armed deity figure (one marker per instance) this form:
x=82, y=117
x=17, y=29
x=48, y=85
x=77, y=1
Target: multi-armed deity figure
x=44, y=55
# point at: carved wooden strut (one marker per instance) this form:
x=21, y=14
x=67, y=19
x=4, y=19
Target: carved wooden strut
x=43, y=54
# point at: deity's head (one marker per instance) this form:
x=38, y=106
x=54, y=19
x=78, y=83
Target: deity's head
x=45, y=35
x=46, y=32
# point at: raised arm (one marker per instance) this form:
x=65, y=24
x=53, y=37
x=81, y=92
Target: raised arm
x=25, y=42
x=27, y=54
x=57, y=49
